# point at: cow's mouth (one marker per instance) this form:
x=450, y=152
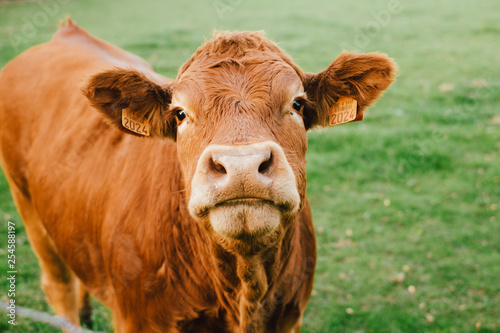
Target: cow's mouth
x=246, y=218
x=244, y=201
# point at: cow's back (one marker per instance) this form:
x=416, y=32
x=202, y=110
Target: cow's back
x=77, y=171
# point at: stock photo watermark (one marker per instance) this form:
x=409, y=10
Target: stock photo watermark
x=459, y=113
x=224, y=7
x=11, y=272
x=380, y=19
x=13, y=310
x=34, y=22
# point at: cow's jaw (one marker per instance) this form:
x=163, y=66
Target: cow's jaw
x=243, y=192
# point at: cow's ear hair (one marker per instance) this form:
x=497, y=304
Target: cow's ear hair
x=360, y=76
x=112, y=91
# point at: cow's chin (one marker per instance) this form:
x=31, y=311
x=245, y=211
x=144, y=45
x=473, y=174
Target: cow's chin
x=245, y=221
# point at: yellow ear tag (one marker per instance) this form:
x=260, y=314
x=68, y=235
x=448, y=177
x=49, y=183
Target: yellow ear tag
x=134, y=124
x=344, y=111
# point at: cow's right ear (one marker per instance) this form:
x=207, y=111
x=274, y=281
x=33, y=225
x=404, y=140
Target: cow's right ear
x=133, y=103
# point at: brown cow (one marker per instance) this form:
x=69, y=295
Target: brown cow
x=202, y=227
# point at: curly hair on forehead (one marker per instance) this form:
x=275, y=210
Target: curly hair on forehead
x=237, y=48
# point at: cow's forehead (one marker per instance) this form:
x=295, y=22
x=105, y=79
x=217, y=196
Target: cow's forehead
x=236, y=67
x=266, y=83
x=235, y=47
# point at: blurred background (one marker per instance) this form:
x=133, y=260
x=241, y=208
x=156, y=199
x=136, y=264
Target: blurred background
x=405, y=204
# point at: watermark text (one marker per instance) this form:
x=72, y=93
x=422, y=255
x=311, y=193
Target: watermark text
x=11, y=272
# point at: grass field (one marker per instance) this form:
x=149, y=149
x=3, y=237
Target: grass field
x=406, y=203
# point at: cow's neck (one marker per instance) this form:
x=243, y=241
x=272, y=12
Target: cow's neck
x=254, y=286
x=253, y=278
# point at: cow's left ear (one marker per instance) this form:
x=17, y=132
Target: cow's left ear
x=362, y=77
x=132, y=102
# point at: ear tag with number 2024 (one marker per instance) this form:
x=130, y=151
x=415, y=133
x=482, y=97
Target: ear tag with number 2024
x=344, y=111
x=134, y=124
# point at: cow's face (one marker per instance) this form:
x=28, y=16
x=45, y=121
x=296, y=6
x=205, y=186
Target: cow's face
x=239, y=111
x=242, y=142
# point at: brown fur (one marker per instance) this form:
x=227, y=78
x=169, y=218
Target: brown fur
x=106, y=212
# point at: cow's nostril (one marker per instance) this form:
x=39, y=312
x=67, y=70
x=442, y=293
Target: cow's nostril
x=265, y=166
x=217, y=167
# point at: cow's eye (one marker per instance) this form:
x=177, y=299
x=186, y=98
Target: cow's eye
x=297, y=105
x=180, y=114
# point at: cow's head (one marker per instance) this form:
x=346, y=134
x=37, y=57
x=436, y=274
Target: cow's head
x=239, y=111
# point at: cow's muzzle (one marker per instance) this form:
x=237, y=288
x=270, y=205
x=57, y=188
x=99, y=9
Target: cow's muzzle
x=243, y=190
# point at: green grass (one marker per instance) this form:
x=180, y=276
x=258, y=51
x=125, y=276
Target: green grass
x=414, y=188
